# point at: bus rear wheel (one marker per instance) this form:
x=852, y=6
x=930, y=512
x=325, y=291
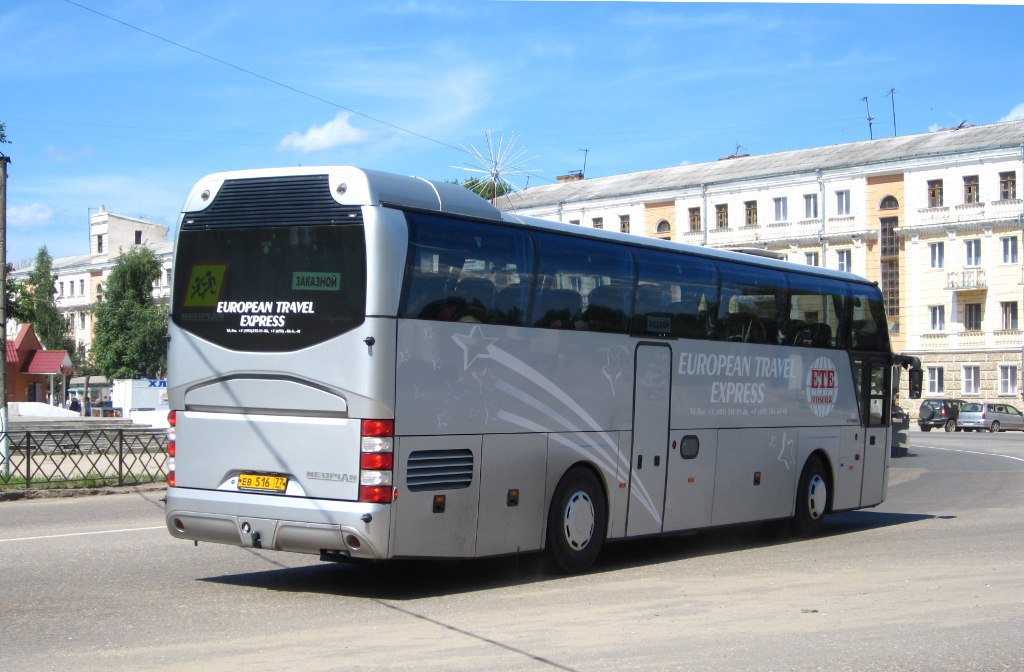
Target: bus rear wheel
x=811, y=499
x=577, y=521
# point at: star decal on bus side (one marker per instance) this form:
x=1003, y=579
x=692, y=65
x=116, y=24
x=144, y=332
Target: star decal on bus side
x=787, y=455
x=474, y=346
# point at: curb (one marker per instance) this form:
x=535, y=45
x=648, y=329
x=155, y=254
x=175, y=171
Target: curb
x=55, y=493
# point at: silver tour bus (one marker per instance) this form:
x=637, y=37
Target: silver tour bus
x=364, y=366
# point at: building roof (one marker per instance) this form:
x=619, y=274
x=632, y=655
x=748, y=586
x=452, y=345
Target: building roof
x=1001, y=136
x=48, y=362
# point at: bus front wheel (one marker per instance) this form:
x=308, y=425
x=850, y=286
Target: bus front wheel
x=577, y=521
x=811, y=498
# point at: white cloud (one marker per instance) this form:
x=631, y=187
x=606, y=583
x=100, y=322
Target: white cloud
x=29, y=217
x=334, y=133
x=1016, y=114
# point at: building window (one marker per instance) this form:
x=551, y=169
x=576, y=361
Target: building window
x=781, y=209
x=890, y=280
x=937, y=315
x=934, y=193
x=971, y=189
x=972, y=317
x=1009, y=244
x=138, y=237
x=722, y=216
x=60, y=289
x=937, y=254
x=970, y=380
x=1008, y=185
x=99, y=244
x=811, y=258
x=935, y=383
x=889, y=203
x=810, y=206
x=694, y=219
x=81, y=287
x=1009, y=313
x=71, y=288
x=750, y=213
x=663, y=228
x=843, y=261
x=972, y=253
x=597, y=222
x=1007, y=379
x=843, y=202
x=624, y=223
x=574, y=221
x=81, y=320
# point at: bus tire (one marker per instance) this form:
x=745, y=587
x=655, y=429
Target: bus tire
x=811, y=498
x=577, y=521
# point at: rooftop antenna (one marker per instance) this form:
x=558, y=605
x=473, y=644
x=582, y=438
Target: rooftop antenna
x=871, y=131
x=502, y=159
x=892, y=95
x=585, y=152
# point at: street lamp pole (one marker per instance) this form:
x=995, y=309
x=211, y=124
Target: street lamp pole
x=5, y=452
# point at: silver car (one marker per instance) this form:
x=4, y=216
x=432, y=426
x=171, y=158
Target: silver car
x=992, y=417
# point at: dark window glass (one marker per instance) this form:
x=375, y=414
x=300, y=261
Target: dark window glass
x=467, y=272
x=674, y=295
x=583, y=284
x=270, y=288
x=752, y=304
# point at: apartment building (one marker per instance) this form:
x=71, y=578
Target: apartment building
x=936, y=219
x=81, y=278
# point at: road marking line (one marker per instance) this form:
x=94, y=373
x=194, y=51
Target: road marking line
x=84, y=534
x=974, y=452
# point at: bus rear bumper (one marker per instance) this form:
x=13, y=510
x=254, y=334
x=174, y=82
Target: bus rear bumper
x=298, y=525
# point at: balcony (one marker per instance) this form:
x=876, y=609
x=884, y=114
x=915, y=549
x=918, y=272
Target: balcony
x=926, y=216
x=968, y=278
x=1008, y=338
x=970, y=339
x=935, y=341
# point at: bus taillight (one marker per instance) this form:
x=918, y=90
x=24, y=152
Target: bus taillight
x=172, y=446
x=376, y=461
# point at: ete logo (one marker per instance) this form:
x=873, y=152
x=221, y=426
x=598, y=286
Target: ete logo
x=821, y=386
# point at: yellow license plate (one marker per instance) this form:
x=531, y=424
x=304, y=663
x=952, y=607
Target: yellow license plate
x=262, y=482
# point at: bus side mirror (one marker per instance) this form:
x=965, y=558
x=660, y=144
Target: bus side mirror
x=916, y=381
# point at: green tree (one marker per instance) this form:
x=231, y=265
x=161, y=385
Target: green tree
x=130, y=335
x=486, y=188
x=37, y=304
x=16, y=304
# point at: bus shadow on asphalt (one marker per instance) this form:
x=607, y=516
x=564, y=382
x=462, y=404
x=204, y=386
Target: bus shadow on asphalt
x=402, y=580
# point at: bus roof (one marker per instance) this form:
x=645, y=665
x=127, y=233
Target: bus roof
x=354, y=186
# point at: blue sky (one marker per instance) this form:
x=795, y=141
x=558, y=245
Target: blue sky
x=129, y=109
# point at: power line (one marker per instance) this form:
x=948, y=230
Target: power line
x=275, y=82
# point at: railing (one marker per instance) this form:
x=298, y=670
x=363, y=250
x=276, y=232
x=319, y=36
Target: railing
x=969, y=278
x=82, y=458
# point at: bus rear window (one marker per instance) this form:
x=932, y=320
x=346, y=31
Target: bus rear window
x=270, y=288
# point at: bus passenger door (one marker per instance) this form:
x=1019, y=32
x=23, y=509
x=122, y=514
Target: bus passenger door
x=652, y=394
x=873, y=376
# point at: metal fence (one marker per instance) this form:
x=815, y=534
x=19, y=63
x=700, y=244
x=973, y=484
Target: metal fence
x=82, y=458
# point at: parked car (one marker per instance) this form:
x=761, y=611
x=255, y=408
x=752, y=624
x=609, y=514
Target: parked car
x=992, y=417
x=939, y=413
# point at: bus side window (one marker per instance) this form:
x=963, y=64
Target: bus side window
x=607, y=308
x=557, y=309
x=477, y=298
x=426, y=295
x=510, y=305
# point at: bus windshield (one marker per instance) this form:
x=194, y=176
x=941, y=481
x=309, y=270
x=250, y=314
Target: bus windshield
x=270, y=289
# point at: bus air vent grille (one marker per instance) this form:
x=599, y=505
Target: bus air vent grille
x=439, y=470
x=295, y=199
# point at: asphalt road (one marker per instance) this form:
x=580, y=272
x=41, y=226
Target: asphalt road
x=931, y=580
